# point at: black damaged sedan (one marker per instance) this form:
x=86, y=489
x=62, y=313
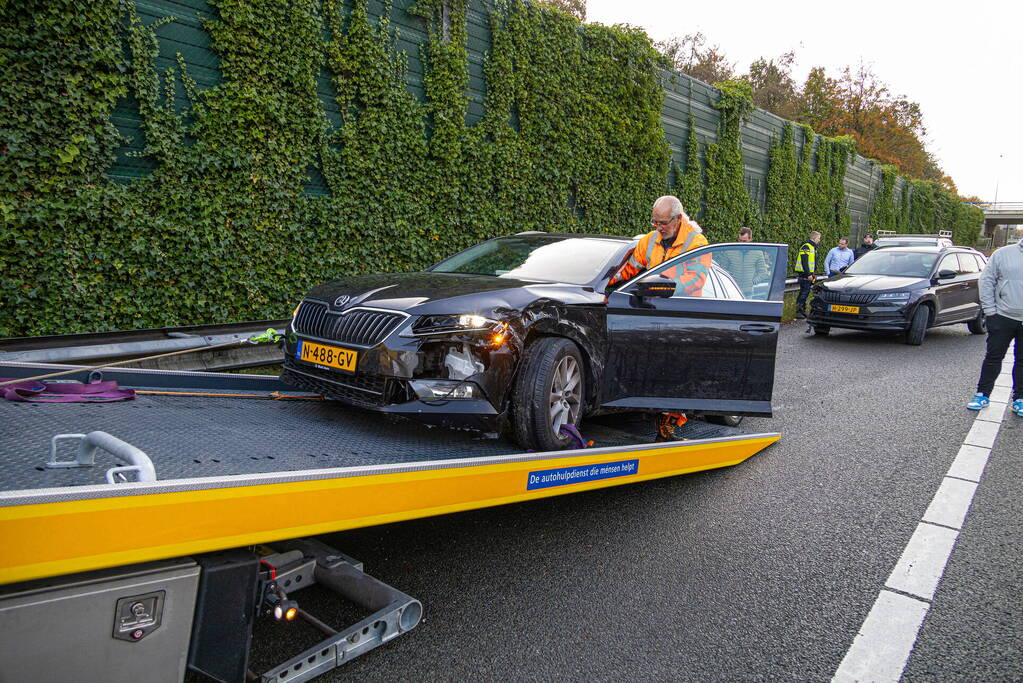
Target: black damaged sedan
x=521, y=334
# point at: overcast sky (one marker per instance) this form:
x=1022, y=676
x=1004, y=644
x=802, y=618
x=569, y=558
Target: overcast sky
x=963, y=63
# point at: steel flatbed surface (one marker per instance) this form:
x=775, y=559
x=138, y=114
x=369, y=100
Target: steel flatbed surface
x=243, y=459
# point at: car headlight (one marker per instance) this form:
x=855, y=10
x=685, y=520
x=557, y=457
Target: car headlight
x=443, y=324
x=294, y=314
x=893, y=297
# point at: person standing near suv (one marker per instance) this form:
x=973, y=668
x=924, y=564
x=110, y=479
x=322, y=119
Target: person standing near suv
x=865, y=248
x=806, y=267
x=839, y=258
x=1001, y=297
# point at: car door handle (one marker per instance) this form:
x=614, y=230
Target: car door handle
x=756, y=328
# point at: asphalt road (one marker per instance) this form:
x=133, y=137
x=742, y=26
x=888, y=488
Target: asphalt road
x=762, y=571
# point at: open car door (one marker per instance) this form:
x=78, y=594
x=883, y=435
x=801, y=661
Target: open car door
x=698, y=332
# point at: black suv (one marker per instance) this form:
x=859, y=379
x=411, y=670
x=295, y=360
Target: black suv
x=903, y=289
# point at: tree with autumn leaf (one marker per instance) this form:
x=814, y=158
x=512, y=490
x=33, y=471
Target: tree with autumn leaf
x=691, y=55
x=886, y=127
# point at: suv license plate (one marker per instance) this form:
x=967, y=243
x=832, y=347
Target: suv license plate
x=332, y=356
x=843, y=309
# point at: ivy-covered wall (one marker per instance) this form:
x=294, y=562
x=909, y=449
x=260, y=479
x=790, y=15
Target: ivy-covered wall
x=208, y=160
x=245, y=190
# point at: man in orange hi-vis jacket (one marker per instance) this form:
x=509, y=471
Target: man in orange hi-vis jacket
x=675, y=233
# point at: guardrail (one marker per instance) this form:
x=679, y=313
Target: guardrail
x=99, y=347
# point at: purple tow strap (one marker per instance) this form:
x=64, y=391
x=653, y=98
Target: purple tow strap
x=573, y=432
x=36, y=391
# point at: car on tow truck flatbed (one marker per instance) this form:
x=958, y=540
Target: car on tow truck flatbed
x=520, y=333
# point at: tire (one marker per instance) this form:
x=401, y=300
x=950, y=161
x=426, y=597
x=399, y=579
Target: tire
x=549, y=391
x=978, y=325
x=726, y=420
x=821, y=330
x=917, y=326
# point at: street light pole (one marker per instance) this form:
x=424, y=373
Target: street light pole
x=998, y=179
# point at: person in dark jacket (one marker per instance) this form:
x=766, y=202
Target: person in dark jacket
x=806, y=270
x=865, y=248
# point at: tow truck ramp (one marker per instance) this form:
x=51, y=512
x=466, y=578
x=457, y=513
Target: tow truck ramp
x=100, y=504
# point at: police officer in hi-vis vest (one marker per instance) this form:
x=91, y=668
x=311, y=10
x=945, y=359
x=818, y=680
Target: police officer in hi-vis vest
x=806, y=265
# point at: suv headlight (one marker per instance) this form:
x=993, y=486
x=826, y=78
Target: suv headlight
x=894, y=297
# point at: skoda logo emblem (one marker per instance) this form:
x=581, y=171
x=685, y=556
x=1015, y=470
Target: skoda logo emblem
x=341, y=300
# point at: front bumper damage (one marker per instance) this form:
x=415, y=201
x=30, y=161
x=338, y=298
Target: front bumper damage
x=407, y=375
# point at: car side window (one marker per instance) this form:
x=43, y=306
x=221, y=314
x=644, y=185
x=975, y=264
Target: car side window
x=968, y=264
x=950, y=262
x=735, y=271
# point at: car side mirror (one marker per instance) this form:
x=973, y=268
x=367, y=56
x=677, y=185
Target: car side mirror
x=654, y=288
x=946, y=274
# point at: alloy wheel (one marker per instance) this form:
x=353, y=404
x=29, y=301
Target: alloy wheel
x=566, y=394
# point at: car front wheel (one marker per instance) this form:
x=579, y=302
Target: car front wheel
x=917, y=326
x=549, y=393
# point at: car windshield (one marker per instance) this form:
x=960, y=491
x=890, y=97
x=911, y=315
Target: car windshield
x=891, y=262
x=550, y=258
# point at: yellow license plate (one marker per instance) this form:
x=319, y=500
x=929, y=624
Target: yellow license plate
x=843, y=309
x=331, y=356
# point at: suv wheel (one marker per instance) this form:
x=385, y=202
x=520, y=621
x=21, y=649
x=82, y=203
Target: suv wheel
x=917, y=326
x=549, y=392
x=978, y=325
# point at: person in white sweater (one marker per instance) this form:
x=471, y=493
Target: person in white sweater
x=1001, y=296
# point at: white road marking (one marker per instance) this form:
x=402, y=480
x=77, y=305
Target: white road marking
x=982, y=434
x=1000, y=394
x=951, y=503
x=969, y=463
x=993, y=412
x=885, y=640
x=919, y=569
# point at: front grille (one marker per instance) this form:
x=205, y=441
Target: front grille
x=361, y=390
x=845, y=298
x=359, y=327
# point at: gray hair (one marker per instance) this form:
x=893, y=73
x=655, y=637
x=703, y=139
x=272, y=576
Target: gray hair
x=815, y=234
x=676, y=205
